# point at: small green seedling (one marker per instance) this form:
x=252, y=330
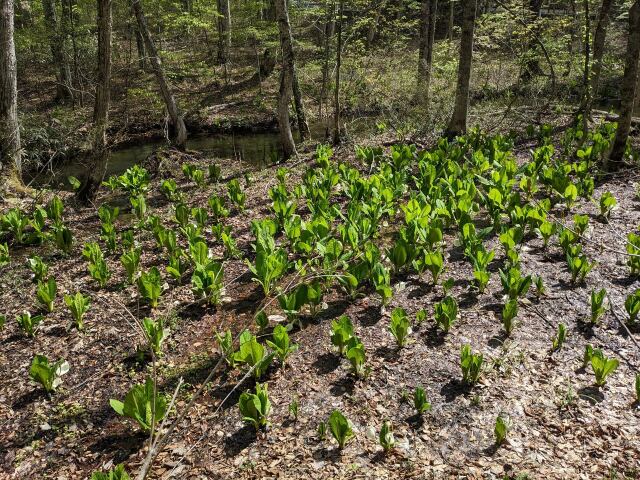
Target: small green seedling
x=399, y=326
x=150, y=286
x=598, y=307
x=471, y=365
x=602, y=366
x=356, y=355
x=294, y=408
x=341, y=333
x=46, y=293
x=501, y=429
x=632, y=306
x=49, y=375
x=255, y=407
x=143, y=404
x=446, y=313
x=509, y=313
x=281, y=344
x=607, y=204
x=117, y=473
x=131, y=261
x=29, y=324
x=78, y=305
x=340, y=428
x=156, y=333
x=38, y=267
x=420, y=401
x=386, y=438
x=560, y=337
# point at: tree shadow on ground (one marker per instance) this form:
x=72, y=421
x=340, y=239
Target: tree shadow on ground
x=592, y=394
x=333, y=455
x=434, y=337
x=342, y=386
x=370, y=316
x=241, y=439
x=326, y=363
x=28, y=398
x=119, y=446
x=390, y=354
x=415, y=421
x=454, y=388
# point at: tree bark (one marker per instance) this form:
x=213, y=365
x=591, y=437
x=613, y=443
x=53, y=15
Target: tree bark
x=532, y=65
x=458, y=123
x=100, y=155
x=303, y=126
x=427, y=39
x=286, y=79
x=224, y=31
x=178, y=131
x=329, y=28
x=56, y=43
x=337, y=129
x=598, y=45
x=10, y=155
x=450, y=28
x=628, y=88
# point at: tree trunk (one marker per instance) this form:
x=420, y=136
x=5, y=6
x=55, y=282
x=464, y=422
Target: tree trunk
x=628, y=90
x=142, y=54
x=56, y=43
x=303, y=126
x=532, y=65
x=178, y=131
x=329, y=28
x=224, y=31
x=586, y=92
x=286, y=80
x=427, y=39
x=100, y=155
x=373, y=25
x=337, y=129
x=10, y=155
x=598, y=45
x=458, y=123
x=450, y=28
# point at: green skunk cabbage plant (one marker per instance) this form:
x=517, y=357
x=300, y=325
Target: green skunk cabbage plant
x=253, y=354
x=131, y=262
x=579, y=266
x=150, y=286
x=509, y=313
x=446, y=312
x=580, y=224
x=514, y=284
x=215, y=173
x=341, y=333
x=560, y=337
x=597, y=304
x=340, y=428
x=471, y=365
x=602, y=366
x=5, y=257
x=156, y=333
x=63, y=238
x=46, y=293
x=381, y=280
x=29, y=324
x=538, y=283
x=178, y=264
x=255, y=407
x=632, y=306
x=545, y=231
x=225, y=344
x=356, y=355
x=38, y=267
x=169, y=189
x=236, y=195
x=117, y=473
x=143, y=404
x=420, y=402
x=216, y=205
x=633, y=249
x=281, y=344
x=207, y=282
x=387, y=441
x=607, y=204
x=268, y=268
x=399, y=326
x=49, y=375
x=501, y=429
x=78, y=305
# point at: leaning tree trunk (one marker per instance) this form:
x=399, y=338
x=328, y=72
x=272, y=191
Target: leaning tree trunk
x=100, y=155
x=224, y=31
x=628, y=89
x=10, y=160
x=286, y=80
x=425, y=57
x=178, y=131
x=598, y=46
x=337, y=129
x=458, y=123
x=56, y=43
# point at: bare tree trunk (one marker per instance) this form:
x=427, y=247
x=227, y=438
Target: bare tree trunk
x=427, y=39
x=329, y=28
x=598, y=45
x=628, y=90
x=572, y=37
x=303, y=126
x=224, y=31
x=178, y=131
x=56, y=43
x=286, y=79
x=10, y=155
x=450, y=29
x=458, y=123
x=98, y=164
x=337, y=129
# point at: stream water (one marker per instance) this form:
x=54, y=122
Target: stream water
x=256, y=149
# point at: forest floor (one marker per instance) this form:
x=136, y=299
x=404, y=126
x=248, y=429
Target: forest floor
x=562, y=427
